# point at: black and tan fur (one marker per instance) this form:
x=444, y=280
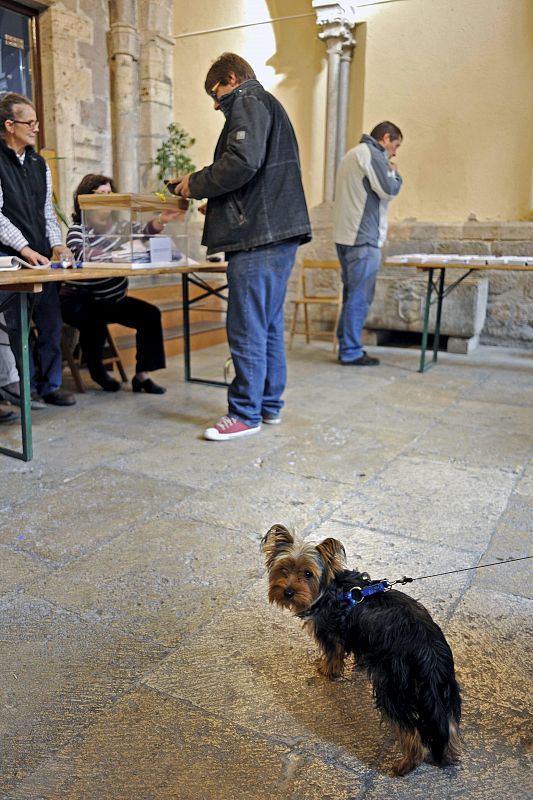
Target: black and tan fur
x=392, y=637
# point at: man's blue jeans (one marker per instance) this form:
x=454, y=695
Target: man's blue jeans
x=359, y=266
x=257, y=281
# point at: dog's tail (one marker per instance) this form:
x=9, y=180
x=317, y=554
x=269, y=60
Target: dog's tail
x=438, y=702
x=424, y=704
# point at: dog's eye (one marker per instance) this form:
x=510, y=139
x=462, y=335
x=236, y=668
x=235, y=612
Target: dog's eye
x=308, y=574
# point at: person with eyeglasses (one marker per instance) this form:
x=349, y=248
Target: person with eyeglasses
x=257, y=214
x=29, y=229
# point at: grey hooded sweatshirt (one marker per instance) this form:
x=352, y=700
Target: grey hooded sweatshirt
x=365, y=185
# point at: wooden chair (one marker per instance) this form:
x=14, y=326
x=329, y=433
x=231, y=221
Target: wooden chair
x=309, y=294
x=70, y=344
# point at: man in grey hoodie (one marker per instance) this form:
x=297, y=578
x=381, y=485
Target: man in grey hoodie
x=367, y=179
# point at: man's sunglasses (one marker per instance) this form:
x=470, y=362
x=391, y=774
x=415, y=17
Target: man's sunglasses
x=213, y=91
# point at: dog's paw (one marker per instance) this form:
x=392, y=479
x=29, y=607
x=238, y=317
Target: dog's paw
x=328, y=670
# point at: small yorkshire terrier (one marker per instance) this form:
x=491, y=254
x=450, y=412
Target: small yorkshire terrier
x=391, y=636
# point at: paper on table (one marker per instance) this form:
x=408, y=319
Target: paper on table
x=409, y=258
x=181, y=262
x=21, y=263
x=8, y=264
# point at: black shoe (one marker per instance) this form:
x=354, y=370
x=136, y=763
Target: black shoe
x=14, y=398
x=6, y=415
x=364, y=361
x=59, y=397
x=147, y=386
x=104, y=379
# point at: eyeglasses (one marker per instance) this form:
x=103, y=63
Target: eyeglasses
x=213, y=91
x=32, y=123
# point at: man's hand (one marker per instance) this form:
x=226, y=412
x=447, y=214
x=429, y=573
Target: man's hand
x=62, y=253
x=32, y=256
x=181, y=186
x=203, y=208
x=392, y=163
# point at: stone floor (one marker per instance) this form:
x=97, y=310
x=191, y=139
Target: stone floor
x=138, y=654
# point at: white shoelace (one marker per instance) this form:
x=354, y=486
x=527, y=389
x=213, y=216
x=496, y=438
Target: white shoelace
x=225, y=422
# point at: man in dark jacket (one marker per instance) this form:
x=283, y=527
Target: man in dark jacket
x=256, y=213
x=29, y=229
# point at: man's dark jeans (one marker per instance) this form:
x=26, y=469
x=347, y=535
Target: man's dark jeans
x=359, y=266
x=257, y=281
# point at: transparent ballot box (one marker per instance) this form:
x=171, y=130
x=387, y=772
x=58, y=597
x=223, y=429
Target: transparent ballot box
x=134, y=229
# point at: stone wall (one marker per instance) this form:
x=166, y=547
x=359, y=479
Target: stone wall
x=156, y=84
x=107, y=88
x=75, y=77
x=509, y=317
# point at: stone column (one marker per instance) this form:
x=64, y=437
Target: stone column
x=123, y=43
x=156, y=86
x=344, y=91
x=335, y=22
x=334, y=50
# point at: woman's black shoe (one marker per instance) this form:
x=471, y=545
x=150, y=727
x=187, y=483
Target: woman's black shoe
x=103, y=379
x=147, y=386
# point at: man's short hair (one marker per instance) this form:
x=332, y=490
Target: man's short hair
x=219, y=72
x=7, y=101
x=382, y=128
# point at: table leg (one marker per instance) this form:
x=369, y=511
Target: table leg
x=186, y=326
x=187, y=303
x=427, y=309
x=25, y=388
x=440, y=297
x=21, y=301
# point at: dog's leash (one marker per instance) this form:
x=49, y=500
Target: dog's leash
x=385, y=586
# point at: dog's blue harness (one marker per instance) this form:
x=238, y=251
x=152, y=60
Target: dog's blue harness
x=385, y=586
x=367, y=591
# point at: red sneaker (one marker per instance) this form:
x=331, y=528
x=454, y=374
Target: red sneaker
x=229, y=428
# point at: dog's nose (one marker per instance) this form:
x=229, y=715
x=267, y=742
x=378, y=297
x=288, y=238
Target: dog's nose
x=289, y=592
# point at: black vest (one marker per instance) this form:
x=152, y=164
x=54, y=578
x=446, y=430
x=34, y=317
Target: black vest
x=24, y=190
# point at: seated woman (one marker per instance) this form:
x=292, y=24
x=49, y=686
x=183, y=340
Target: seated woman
x=90, y=305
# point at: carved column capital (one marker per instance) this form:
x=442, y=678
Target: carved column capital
x=336, y=23
x=348, y=46
x=124, y=40
x=326, y=11
x=336, y=20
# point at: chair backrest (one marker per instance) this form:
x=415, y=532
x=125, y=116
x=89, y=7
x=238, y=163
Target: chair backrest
x=315, y=286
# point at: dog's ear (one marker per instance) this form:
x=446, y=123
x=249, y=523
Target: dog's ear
x=333, y=554
x=277, y=538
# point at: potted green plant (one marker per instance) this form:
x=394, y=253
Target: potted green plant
x=172, y=158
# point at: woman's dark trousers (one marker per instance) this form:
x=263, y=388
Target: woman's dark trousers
x=91, y=319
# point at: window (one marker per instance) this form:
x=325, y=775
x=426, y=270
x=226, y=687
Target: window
x=19, y=63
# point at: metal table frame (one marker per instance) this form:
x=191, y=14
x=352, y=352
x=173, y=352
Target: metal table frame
x=20, y=300
x=440, y=291
x=23, y=285
x=436, y=291
x=208, y=291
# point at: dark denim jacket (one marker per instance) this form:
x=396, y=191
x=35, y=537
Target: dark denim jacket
x=254, y=184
